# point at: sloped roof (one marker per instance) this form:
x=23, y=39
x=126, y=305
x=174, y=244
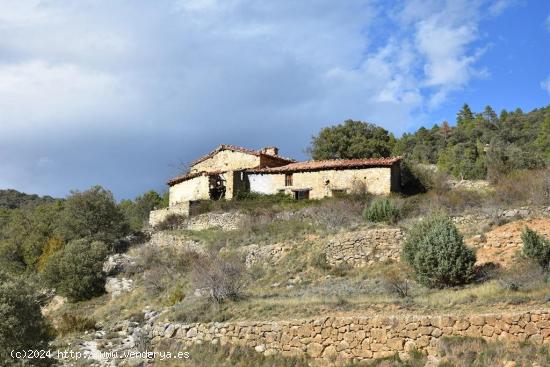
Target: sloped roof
x=238, y=149
x=189, y=176
x=329, y=164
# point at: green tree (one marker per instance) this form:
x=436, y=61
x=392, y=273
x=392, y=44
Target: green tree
x=137, y=211
x=22, y=326
x=465, y=116
x=490, y=115
x=93, y=214
x=435, y=250
x=76, y=271
x=352, y=139
x=26, y=233
x=536, y=248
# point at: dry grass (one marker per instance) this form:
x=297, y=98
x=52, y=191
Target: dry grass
x=467, y=352
x=207, y=355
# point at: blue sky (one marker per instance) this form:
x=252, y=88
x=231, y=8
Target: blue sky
x=123, y=93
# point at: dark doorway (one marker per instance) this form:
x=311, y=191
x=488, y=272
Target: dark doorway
x=301, y=194
x=217, y=187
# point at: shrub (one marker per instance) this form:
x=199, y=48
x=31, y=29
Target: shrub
x=418, y=178
x=76, y=270
x=523, y=276
x=534, y=188
x=171, y=222
x=381, y=210
x=436, y=252
x=137, y=211
x=223, y=278
x=395, y=281
x=22, y=326
x=70, y=323
x=319, y=260
x=94, y=214
x=536, y=248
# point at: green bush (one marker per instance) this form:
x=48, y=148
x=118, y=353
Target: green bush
x=381, y=210
x=536, y=248
x=22, y=326
x=436, y=252
x=137, y=211
x=94, y=214
x=76, y=270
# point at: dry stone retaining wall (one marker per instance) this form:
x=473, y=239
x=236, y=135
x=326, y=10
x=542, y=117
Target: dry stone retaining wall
x=366, y=247
x=168, y=239
x=358, y=338
x=267, y=254
x=158, y=216
x=225, y=221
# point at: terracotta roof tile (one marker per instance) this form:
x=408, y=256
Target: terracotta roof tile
x=329, y=164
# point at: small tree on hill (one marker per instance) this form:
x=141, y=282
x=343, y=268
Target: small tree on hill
x=436, y=252
x=93, y=214
x=536, y=248
x=352, y=139
x=76, y=271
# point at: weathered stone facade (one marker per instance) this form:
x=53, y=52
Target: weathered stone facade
x=227, y=160
x=228, y=170
x=357, y=338
x=325, y=183
x=364, y=247
x=190, y=190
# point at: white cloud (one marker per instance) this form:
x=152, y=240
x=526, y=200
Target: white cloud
x=444, y=33
x=545, y=84
x=500, y=6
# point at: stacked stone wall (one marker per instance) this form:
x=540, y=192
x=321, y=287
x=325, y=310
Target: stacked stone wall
x=158, y=216
x=358, y=338
x=361, y=248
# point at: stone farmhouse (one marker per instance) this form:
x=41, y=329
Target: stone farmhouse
x=228, y=170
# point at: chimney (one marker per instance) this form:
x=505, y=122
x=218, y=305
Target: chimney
x=270, y=150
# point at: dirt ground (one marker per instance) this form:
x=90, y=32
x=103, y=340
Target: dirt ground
x=503, y=244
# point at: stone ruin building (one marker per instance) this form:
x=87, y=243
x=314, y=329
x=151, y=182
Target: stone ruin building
x=228, y=170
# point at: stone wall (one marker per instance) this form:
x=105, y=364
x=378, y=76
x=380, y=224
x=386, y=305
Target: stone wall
x=364, y=247
x=376, y=180
x=267, y=254
x=501, y=214
x=168, y=239
x=157, y=216
x=227, y=160
x=229, y=221
x=357, y=338
x=196, y=188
